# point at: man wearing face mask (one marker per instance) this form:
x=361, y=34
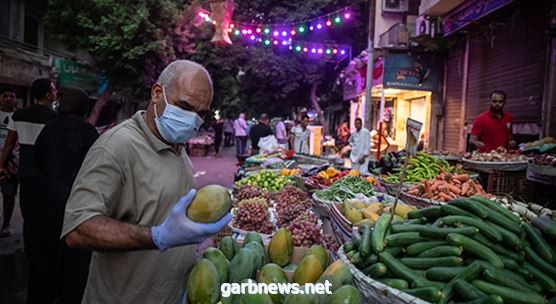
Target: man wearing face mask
x=129, y=201
x=493, y=128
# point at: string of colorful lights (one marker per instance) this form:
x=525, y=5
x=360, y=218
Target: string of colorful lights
x=286, y=34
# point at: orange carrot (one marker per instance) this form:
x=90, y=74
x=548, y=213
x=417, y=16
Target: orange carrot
x=456, y=181
x=453, y=188
x=470, y=193
x=414, y=191
x=461, y=177
x=465, y=187
x=444, y=197
x=435, y=185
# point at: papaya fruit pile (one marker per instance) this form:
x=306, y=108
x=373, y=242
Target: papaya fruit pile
x=469, y=250
x=360, y=212
x=232, y=263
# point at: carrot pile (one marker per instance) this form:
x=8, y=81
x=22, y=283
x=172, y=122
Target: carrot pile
x=447, y=186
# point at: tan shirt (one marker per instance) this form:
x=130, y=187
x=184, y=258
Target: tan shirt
x=131, y=176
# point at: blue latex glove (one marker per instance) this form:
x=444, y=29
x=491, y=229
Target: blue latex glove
x=178, y=229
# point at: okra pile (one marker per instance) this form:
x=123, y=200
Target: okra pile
x=470, y=250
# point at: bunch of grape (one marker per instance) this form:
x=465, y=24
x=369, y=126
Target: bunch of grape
x=252, y=215
x=329, y=242
x=305, y=229
x=290, y=202
x=247, y=192
x=267, y=180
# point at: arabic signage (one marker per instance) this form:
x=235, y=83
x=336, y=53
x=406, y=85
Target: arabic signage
x=411, y=72
x=73, y=74
x=469, y=12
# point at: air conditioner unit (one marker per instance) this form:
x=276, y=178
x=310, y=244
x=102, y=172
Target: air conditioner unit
x=395, y=6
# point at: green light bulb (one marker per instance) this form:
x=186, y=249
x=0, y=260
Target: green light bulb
x=328, y=51
x=301, y=29
x=267, y=42
x=337, y=19
x=266, y=31
x=298, y=48
x=236, y=32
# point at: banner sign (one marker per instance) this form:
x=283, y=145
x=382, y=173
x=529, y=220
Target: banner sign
x=355, y=82
x=470, y=12
x=411, y=72
x=73, y=74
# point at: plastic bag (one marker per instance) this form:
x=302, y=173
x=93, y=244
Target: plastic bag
x=268, y=144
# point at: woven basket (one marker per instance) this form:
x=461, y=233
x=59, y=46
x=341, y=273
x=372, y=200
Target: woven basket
x=418, y=201
x=495, y=166
x=542, y=170
x=322, y=207
x=374, y=291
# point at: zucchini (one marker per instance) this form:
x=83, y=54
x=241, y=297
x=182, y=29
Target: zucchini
x=357, y=259
x=496, y=277
x=509, y=238
x=417, y=248
x=429, y=294
x=426, y=263
x=510, y=275
x=356, y=240
x=403, y=239
x=502, y=221
x=375, y=271
x=467, y=204
x=395, y=283
x=415, y=221
x=433, y=231
x=546, y=225
x=547, y=282
x=443, y=274
x=538, y=242
x=467, y=291
x=475, y=248
x=537, y=261
x=348, y=246
x=365, y=245
x=492, y=299
x=431, y=213
x=399, y=269
x=394, y=251
x=509, y=295
x=469, y=273
x=377, y=239
x=498, y=249
x=371, y=259
x=448, y=209
x=509, y=263
x=497, y=207
x=441, y=251
x=484, y=228
x=524, y=273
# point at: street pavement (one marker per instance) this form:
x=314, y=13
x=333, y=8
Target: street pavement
x=14, y=264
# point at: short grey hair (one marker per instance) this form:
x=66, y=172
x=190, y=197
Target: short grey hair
x=198, y=81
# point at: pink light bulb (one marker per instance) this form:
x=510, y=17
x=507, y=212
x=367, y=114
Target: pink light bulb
x=232, y=25
x=275, y=33
x=328, y=23
x=258, y=30
x=319, y=26
x=249, y=32
x=284, y=33
x=347, y=15
x=305, y=49
x=275, y=42
x=311, y=28
x=293, y=32
x=313, y=50
x=342, y=52
x=320, y=51
x=244, y=31
x=335, y=51
x=252, y=37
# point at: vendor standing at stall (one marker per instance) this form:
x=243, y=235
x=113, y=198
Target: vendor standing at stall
x=129, y=201
x=493, y=129
x=262, y=129
x=300, y=136
x=360, y=142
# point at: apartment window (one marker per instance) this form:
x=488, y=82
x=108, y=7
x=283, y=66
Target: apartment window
x=5, y=18
x=31, y=34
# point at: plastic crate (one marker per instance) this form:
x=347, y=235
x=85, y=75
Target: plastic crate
x=227, y=231
x=506, y=182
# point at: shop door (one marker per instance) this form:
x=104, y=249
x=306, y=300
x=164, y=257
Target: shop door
x=452, y=105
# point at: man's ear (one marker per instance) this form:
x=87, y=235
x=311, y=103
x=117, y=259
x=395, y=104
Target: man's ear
x=156, y=92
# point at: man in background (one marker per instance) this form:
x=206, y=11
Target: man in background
x=493, y=128
x=9, y=183
x=262, y=129
x=360, y=141
x=241, y=131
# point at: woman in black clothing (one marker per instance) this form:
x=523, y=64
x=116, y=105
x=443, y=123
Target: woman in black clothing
x=60, y=150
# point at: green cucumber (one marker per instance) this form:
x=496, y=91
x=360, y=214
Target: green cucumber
x=375, y=271
x=546, y=225
x=467, y=291
x=441, y=251
x=467, y=204
x=509, y=263
x=524, y=273
x=377, y=239
x=546, y=281
x=394, y=251
x=371, y=259
x=538, y=242
x=498, y=249
x=536, y=260
x=453, y=210
x=417, y=248
x=395, y=283
x=496, y=277
x=497, y=207
x=398, y=269
x=431, y=213
x=348, y=246
x=509, y=238
x=429, y=294
x=403, y=239
x=508, y=294
x=475, y=248
x=492, y=299
x=484, y=228
x=357, y=259
x=443, y=274
x=502, y=221
x=356, y=240
x=365, y=245
x=469, y=273
x=434, y=232
x=513, y=277
x=426, y=263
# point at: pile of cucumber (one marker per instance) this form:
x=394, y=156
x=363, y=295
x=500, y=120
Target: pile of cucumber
x=467, y=251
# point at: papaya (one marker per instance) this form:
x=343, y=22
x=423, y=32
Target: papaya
x=229, y=247
x=219, y=261
x=290, y=267
x=346, y=206
x=321, y=254
x=280, y=248
x=354, y=215
x=337, y=274
x=346, y=294
x=253, y=237
x=203, y=285
x=402, y=210
x=242, y=266
x=210, y=204
x=309, y=270
x=358, y=205
x=273, y=273
x=259, y=251
x=301, y=299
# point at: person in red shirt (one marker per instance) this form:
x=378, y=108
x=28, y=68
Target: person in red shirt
x=493, y=128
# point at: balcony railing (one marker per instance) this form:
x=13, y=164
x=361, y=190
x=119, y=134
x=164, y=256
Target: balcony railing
x=398, y=36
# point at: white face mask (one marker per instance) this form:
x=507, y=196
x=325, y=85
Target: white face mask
x=176, y=125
